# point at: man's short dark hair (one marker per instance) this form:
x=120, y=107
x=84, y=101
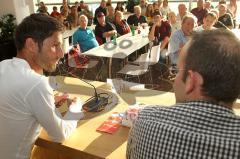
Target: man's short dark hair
x=37, y=26
x=215, y=54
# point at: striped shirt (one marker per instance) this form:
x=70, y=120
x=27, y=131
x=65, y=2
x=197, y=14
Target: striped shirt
x=191, y=130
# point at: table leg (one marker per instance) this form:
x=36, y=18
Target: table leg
x=110, y=68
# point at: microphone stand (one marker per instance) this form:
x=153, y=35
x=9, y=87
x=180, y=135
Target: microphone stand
x=95, y=103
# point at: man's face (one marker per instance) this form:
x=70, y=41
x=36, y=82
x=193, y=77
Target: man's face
x=103, y=4
x=187, y=26
x=82, y=5
x=137, y=11
x=222, y=9
x=172, y=17
x=50, y=53
x=179, y=84
x=208, y=22
x=83, y=22
x=101, y=20
x=182, y=9
x=142, y=2
x=157, y=19
x=165, y=3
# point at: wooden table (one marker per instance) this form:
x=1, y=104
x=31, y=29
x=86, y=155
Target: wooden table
x=86, y=142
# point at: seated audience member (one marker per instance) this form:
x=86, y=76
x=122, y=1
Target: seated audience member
x=225, y=17
x=208, y=22
x=218, y=24
x=65, y=7
x=121, y=25
x=103, y=29
x=88, y=13
x=84, y=36
x=172, y=20
x=119, y=7
x=27, y=104
x=202, y=123
x=160, y=32
x=199, y=11
x=182, y=11
x=180, y=37
x=130, y=6
x=42, y=8
x=55, y=13
x=109, y=3
x=76, y=4
x=165, y=9
x=81, y=6
x=155, y=6
x=224, y=2
x=72, y=17
x=143, y=6
x=149, y=13
x=102, y=8
x=110, y=14
x=137, y=18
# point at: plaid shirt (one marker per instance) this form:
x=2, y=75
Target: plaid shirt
x=192, y=130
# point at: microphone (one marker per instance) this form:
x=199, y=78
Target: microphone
x=95, y=103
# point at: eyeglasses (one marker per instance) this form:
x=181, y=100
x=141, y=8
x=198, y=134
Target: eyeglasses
x=175, y=70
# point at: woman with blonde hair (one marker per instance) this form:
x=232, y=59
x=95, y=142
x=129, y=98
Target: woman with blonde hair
x=149, y=13
x=121, y=25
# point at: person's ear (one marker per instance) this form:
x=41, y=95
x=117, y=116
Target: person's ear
x=31, y=45
x=193, y=82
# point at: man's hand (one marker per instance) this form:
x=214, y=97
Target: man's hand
x=76, y=105
x=60, y=98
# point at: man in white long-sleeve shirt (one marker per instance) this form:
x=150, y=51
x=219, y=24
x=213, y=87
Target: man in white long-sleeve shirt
x=26, y=99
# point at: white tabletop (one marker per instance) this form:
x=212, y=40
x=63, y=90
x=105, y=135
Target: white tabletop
x=126, y=45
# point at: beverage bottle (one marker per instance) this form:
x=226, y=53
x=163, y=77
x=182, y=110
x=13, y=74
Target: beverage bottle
x=114, y=39
x=132, y=30
x=138, y=28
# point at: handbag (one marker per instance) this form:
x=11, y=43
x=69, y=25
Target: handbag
x=76, y=58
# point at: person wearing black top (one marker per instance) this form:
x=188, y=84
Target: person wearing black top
x=103, y=29
x=136, y=18
x=102, y=8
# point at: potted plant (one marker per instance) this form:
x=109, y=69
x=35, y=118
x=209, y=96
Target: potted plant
x=7, y=28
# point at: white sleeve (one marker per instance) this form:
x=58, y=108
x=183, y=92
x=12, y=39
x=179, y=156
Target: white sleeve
x=41, y=102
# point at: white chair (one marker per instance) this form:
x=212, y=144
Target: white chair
x=136, y=70
x=154, y=55
x=73, y=64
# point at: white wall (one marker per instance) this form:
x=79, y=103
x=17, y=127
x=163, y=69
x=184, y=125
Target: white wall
x=6, y=7
x=19, y=8
x=31, y=4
